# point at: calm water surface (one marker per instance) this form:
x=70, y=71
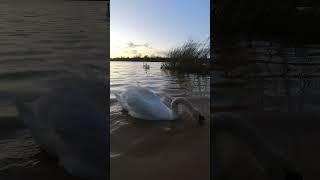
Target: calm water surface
x=123, y=74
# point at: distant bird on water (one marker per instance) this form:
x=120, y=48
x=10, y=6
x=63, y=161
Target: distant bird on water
x=146, y=66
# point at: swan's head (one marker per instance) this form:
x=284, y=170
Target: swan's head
x=187, y=107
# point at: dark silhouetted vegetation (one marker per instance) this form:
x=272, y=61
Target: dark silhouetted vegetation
x=192, y=56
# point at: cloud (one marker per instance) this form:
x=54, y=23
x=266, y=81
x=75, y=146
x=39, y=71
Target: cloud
x=160, y=53
x=135, y=45
x=134, y=51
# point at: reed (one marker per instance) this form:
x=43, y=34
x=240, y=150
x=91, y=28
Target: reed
x=192, y=56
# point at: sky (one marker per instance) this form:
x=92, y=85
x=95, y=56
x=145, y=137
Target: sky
x=152, y=27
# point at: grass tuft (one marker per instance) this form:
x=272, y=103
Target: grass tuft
x=192, y=56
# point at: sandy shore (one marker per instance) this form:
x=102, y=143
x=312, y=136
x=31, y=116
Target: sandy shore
x=184, y=157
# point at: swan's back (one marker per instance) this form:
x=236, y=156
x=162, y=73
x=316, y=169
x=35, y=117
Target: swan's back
x=142, y=93
x=142, y=103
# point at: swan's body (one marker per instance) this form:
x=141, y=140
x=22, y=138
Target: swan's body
x=68, y=124
x=142, y=103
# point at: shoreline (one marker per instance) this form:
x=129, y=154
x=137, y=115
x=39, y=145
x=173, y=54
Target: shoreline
x=137, y=60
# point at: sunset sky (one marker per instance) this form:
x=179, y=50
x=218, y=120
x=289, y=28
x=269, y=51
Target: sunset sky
x=151, y=27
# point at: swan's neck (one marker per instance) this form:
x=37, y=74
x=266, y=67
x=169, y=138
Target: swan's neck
x=175, y=106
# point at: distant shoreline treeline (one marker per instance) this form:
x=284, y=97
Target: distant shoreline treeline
x=142, y=59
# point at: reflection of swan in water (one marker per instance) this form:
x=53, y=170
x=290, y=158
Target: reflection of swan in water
x=142, y=103
x=70, y=124
x=235, y=140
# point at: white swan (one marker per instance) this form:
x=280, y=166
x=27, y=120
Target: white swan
x=142, y=103
x=70, y=123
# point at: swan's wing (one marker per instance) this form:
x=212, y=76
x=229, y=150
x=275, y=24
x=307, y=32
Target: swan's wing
x=132, y=93
x=138, y=105
x=144, y=104
x=143, y=93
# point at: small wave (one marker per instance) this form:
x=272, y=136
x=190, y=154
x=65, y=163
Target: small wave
x=17, y=150
x=20, y=60
x=24, y=53
x=27, y=75
x=114, y=155
x=116, y=124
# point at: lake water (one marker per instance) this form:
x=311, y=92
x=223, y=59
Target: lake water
x=42, y=41
x=143, y=149
x=124, y=73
